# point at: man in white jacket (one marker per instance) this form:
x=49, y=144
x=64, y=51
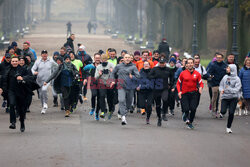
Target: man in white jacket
x=42, y=69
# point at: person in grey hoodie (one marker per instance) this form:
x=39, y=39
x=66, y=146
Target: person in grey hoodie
x=102, y=74
x=229, y=88
x=126, y=74
x=42, y=69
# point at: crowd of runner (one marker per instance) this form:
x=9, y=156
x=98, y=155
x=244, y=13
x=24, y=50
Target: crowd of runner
x=140, y=81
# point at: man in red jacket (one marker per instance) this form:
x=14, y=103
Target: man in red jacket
x=188, y=85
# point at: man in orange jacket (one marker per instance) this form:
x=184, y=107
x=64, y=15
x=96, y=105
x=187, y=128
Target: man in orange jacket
x=145, y=55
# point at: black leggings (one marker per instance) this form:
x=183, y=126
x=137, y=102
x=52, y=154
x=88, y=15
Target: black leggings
x=189, y=104
x=16, y=103
x=145, y=100
x=231, y=104
x=95, y=100
x=108, y=93
x=68, y=97
x=161, y=97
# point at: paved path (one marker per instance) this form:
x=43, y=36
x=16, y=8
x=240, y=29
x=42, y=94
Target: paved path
x=51, y=140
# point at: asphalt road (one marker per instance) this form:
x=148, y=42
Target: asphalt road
x=52, y=140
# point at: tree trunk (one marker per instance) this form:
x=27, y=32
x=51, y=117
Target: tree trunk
x=48, y=7
x=202, y=31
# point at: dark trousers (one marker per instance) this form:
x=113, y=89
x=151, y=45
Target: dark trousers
x=171, y=99
x=161, y=97
x=189, y=104
x=16, y=103
x=28, y=101
x=106, y=92
x=76, y=90
x=68, y=97
x=95, y=100
x=231, y=104
x=145, y=99
x=85, y=90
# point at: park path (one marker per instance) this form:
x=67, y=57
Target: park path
x=79, y=141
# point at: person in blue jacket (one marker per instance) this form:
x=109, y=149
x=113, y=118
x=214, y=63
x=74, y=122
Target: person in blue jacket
x=245, y=81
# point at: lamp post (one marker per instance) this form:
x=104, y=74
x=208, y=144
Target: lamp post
x=163, y=18
x=195, y=18
x=140, y=19
x=235, y=27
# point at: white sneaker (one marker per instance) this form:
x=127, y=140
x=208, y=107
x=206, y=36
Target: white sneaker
x=45, y=106
x=43, y=111
x=124, y=122
x=119, y=116
x=229, y=130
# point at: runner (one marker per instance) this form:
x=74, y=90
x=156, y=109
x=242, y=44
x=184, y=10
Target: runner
x=102, y=74
x=42, y=69
x=188, y=92
x=65, y=77
x=126, y=72
x=164, y=81
x=230, y=87
x=145, y=91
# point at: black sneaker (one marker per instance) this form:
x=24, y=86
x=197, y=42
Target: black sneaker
x=7, y=110
x=172, y=112
x=22, y=128
x=80, y=99
x=12, y=126
x=164, y=117
x=62, y=108
x=147, y=121
x=159, y=122
x=28, y=110
x=178, y=104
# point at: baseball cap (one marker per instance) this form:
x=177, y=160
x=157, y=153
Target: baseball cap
x=44, y=52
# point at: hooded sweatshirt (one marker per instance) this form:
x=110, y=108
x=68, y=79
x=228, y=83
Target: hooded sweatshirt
x=121, y=73
x=231, y=84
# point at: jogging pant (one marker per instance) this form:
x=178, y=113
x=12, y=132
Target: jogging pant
x=68, y=97
x=231, y=104
x=161, y=97
x=95, y=100
x=171, y=99
x=145, y=99
x=16, y=103
x=189, y=104
x=106, y=92
x=215, y=98
x=125, y=97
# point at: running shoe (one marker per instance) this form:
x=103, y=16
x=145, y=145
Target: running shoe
x=164, y=117
x=102, y=115
x=143, y=111
x=4, y=104
x=124, y=122
x=7, y=110
x=178, y=104
x=190, y=126
x=45, y=106
x=110, y=115
x=184, y=118
x=159, y=123
x=12, y=126
x=210, y=107
x=221, y=116
x=228, y=130
x=67, y=113
x=147, y=121
x=119, y=116
x=80, y=99
x=97, y=117
x=43, y=111
x=172, y=112
x=92, y=111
